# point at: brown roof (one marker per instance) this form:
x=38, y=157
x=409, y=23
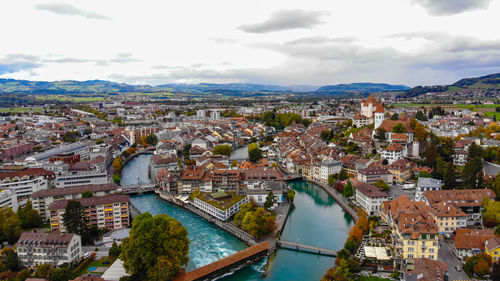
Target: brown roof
x=379, y=108
x=459, y=198
x=388, y=124
x=262, y=173
x=470, y=241
x=444, y=209
x=374, y=171
x=370, y=190
x=427, y=270
x=394, y=147
x=192, y=173
x=45, y=240
x=221, y=264
x=492, y=243
x=92, y=201
x=471, y=231
x=30, y=172
x=73, y=190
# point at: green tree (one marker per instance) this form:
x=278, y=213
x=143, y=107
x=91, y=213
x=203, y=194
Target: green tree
x=431, y=154
x=87, y=194
x=380, y=134
x=424, y=174
x=270, y=200
x=222, y=149
x=157, y=248
x=29, y=217
x=234, y=163
x=115, y=250
x=254, y=152
x=421, y=116
x=332, y=179
x=398, y=128
x=348, y=190
x=290, y=195
x=10, y=228
x=62, y=274
x=151, y=139
x=477, y=264
x=10, y=259
x=382, y=185
x=117, y=178
x=395, y=117
x=43, y=271
x=471, y=172
x=74, y=218
x=99, y=141
x=449, y=176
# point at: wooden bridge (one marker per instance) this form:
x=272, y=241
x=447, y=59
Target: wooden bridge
x=306, y=248
x=137, y=189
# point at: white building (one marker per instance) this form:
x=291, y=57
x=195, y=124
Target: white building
x=215, y=114
x=370, y=198
x=426, y=184
x=329, y=167
x=48, y=248
x=81, y=178
x=393, y=152
x=8, y=198
x=200, y=114
x=24, y=186
x=221, y=214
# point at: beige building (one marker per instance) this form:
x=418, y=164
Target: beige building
x=447, y=217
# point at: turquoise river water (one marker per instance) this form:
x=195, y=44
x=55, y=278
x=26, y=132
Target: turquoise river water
x=316, y=220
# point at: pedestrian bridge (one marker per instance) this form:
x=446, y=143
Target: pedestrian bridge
x=137, y=189
x=306, y=248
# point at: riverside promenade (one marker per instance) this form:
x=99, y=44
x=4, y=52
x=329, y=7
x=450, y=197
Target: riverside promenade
x=338, y=197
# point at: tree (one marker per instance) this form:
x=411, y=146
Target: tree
x=222, y=149
x=495, y=268
x=431, y=155
x=421, y=116
x=332, y=179
x=118, y=163
x=157, y=248
x=254, y=152
x=10, y=259
x=117, y=178
x=398, y=128
x=395, y=117
x=99, y=141
x=43, y=271
x=471, y=172
x=382, y=185
x=71, y=136
x=151, y=139
x=482, y=268
x=424, y=174
x=290, y=195
x=234, y=163
x=74, y=218
x=115, y=250
x=348, y=190
x=449, y=176
x=87, y=194
x=29, y=217
x=420, y=132
x=471, y=264
x=10, y=228
x=62, y=274
x=380, y=134
x=270, y=200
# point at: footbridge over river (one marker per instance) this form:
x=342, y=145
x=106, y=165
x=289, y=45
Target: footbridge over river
x=306, y=248
x=137, y=189
x=224, y=265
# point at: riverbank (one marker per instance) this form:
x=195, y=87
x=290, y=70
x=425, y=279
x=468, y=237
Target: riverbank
x=338, y=197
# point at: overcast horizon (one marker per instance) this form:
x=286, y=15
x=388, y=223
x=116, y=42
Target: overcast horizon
x=408, y=42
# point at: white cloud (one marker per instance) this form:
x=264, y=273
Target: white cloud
x=287, y=19
x=69, y=10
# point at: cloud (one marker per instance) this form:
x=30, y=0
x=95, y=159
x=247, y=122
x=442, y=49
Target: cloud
x=69, y=10
x=120, y=58
x=18, y=62
x=451, y=7
x=124, y=58
x=285, y=20
x=320, y=40
x=223, y=40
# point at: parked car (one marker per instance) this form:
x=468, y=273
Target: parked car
x=458, y=268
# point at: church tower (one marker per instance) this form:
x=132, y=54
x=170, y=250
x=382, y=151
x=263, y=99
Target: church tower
x=379, y=115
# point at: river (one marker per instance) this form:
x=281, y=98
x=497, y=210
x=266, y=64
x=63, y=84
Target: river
x=240, y=153
x=316, y=220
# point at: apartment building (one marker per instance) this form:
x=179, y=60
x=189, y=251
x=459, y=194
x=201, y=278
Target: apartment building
x=372, y=174
x=160, y=162
x=329, y=167
x=110, y=211
x=261, y=177
x=24, y=181
x=468, y=201
x=447, y=217
x=42, y=199
x=224, y=179
x=470, y=242
x=393, y=152
x=370, y=198
x=401, y=170
x=190, y=179
x=83, y=177
x=8, y=198
x=53, y=248
x=416, y=235
x=426, y=184
x=221, y=205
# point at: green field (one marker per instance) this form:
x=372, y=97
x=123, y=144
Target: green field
x=70, y=98
x=490, y=114
x=19, y=109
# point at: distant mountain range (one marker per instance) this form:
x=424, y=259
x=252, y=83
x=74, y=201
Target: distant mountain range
x=107, y=87
x=489, y=82
x=362, y=87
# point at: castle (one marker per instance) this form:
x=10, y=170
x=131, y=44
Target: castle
x=372, y=112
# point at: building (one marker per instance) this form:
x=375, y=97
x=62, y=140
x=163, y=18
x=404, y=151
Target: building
x=416, y=235
x=372, y=174
x=470, y=242
x=261, y=178
x=77, y=148
x=426, y=184
x=82, y=177
x=190, y=179
x=13, y=152
x=160, y=162
x=223, y=179
x=371, y=112
x=393, y=152
x=200, y=114
x=447, y=217
x=460, y=158
x=426, y=270
x=70, y=158
x=102, y=150
x=221, y=205
x=329, y=167
x=401, y=170
x=8, y=198
x=24, y=181
x=370, y=198
x=492, y=248
x=53, y=248
x=468, y=201
x=215, y=114
x=43, y=198
x=110, y=211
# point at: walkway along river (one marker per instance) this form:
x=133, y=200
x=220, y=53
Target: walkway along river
x=316, y=220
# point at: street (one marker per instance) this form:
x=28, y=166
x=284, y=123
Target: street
x=446, y=255
x=103, y=251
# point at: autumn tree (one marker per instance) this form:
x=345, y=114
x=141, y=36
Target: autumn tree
x=10, y=226
x=156, y=249
x=30, y=218
x=382, y=185
x=222, y=149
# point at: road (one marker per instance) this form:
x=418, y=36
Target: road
x=103, y=251
x=446, y=255
x=397, y=190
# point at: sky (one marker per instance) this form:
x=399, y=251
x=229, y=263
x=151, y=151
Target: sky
x=410, y=42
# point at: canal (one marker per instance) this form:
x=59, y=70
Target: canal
x=316, y=220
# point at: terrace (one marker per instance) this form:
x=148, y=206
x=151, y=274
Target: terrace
x=222, y=200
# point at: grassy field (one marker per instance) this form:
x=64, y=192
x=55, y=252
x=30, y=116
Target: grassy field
x=490, y=114
x=19, y=109
x=98, y=263
x=71, y=98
